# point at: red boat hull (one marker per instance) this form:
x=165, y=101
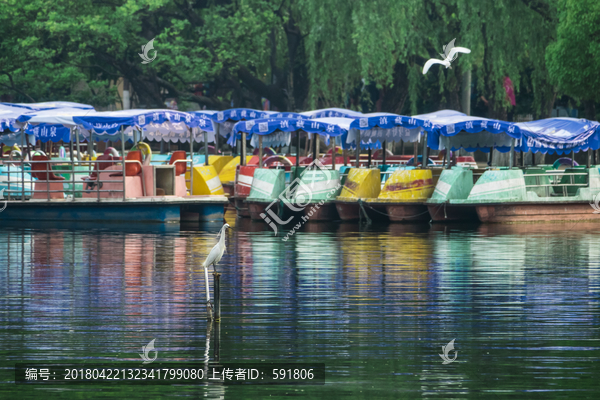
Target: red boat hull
x=350, y=211
x=256, y=208
x=241, y=207
x=229, y=191
x=452, y=213
x=321, y=212
x=407, y=212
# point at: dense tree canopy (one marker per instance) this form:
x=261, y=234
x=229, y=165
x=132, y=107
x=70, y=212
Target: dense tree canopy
x=299, y=54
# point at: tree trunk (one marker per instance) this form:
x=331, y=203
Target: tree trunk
x=590, y=110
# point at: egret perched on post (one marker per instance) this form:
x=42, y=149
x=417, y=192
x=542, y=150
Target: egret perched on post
x=216, y=253
x=213, y=258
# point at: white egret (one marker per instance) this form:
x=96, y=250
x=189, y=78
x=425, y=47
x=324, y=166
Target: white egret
x=216, y=253
x=450, y=54
x=213, y=258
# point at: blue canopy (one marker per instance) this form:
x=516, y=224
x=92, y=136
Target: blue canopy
x=282, y=128
x=225, y=120
x=331, y=113
x=111, y=122
x=470, y=133
x=53, y=124
x=50, y=132
x=379, y=127
x=206, y=119
x=49, y=105
x=559, y=135
x=9, y=117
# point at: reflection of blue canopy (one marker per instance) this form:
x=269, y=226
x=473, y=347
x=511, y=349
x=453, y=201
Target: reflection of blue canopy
x=471, y=133
x=282, y=128
x=559, y=135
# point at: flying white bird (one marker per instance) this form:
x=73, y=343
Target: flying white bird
x=450, y=54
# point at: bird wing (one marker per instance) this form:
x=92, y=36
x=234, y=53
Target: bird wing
x=214, y=256
x=448, y=47
x=455, y=50
x=429, y=63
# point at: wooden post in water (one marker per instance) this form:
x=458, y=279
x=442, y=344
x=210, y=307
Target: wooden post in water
x=384, y=148
x=208, y=307
x=217, y=341
x=369, y=152
x=217, y=294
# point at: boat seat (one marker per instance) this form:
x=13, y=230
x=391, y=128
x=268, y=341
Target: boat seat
x=102, y=166
x=132, y=169
x=43, y=176
x=180, y=167
x=541, y=191
x=572, y=179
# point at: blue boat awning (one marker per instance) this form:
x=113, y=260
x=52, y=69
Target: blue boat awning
x=559, y=135
x=472, y=133
x=277, y=131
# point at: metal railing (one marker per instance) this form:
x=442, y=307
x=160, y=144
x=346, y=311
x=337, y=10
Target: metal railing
x=555, y=179
x=28, y=190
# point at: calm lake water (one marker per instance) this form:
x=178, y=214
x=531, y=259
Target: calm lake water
x=374, y=304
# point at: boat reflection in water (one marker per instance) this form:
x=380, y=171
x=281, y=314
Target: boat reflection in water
x=370, y=302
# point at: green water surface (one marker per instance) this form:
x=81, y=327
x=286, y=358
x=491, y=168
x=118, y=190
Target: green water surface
x=374, y=304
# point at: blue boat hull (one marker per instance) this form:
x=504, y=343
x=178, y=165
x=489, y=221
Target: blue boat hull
x=118, y=211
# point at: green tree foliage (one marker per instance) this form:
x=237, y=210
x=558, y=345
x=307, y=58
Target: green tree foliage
x=574, y=57
x=297, y=53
